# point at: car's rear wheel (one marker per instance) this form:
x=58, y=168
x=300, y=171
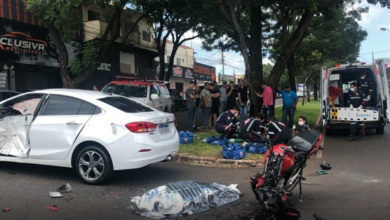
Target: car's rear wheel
x=93, y=165
x=380, y=130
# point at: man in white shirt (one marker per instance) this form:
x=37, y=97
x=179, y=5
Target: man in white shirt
x=223, y=96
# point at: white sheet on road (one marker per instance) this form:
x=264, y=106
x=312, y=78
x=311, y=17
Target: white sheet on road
x=183, y=198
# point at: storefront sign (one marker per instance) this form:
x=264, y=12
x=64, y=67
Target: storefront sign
x=22, y=43
x=177, y=71
x=104, y=67
x=204, y=72
x=32, y=44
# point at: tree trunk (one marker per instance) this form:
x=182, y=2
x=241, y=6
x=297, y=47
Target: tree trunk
x=308, y=94
x=256, y=59
x=289, y=48
x=291, y=72
x=62, y=56
x=315, y=90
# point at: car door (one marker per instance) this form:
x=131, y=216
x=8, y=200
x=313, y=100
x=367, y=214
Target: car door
x=324, y=95
x=156, y=103
x=381, y=71
x=57, y=126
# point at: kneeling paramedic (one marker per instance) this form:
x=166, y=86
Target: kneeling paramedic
x=252, y=125
x=226, y=123
x=278, y=132
x=356, y=99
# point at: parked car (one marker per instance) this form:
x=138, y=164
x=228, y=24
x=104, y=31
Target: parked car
x=93, y=132
x=149, y=92
x=5, y=94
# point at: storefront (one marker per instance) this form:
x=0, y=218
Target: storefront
x=31, y=56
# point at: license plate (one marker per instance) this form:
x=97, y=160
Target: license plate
x=164, y=128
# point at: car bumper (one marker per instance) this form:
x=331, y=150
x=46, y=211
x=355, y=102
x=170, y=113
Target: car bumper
x=346, y=124
x=132, y=153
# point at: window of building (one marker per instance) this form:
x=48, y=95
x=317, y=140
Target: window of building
x=146, y=35
x=93, y=15
x=178, y=61
x=168, y=58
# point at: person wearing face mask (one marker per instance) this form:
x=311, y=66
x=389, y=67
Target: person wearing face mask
x=356, y=99
x=251, y=125
x=226, y=123
x=367, y=87
x=303, y=126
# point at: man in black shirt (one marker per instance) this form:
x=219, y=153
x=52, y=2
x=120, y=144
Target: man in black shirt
x=215, y=94
x=356, y=99
x=242, y=95
x=231, y=94
x=226, y=122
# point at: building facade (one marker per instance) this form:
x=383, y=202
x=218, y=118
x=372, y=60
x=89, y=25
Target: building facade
x=29, y=60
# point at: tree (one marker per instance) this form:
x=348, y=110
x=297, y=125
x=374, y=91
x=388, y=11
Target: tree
x=64, y=21
x=383, y=3
x=170, y=20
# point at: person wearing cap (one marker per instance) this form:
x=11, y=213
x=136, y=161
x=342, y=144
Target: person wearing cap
x=268, y=100
x=215, y=94
x=222, y=91
x=191, y=97
x=290, y=100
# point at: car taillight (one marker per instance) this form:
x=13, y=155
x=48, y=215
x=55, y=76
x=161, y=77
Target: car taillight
x=141, y=127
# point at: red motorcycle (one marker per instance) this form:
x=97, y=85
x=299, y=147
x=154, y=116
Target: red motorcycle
x=283, y=168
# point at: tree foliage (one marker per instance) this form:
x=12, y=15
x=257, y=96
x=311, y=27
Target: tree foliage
x=170, y=20
x=64, y=21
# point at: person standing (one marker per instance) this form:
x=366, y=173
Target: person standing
x=222, y=90
x=367, y=87
x=290, y=100
x=268, y=100
x=191, y=97
x=231, y=94
x=242, y=95
x=356, y=99
x=206, y=104
x=95, y=88
x=215, y=94
x=197, y=107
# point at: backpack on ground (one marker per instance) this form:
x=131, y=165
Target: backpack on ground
x=233, y=151
x=186, y=137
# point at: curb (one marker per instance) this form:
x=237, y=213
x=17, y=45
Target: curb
x=213, y=162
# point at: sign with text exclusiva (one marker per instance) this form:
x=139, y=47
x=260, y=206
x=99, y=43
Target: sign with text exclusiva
x=30, y=44
x=204, y=72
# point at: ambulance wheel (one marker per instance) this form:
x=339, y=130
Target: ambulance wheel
x=380, y=130
x=328, y=132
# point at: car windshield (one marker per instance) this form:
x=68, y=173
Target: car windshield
x=128, y=90
x=125, y=104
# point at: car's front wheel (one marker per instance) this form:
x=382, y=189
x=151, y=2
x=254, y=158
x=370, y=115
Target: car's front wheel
x=93, y=165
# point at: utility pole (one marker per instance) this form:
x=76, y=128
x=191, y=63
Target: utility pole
x=223, y=65
x=373, y=60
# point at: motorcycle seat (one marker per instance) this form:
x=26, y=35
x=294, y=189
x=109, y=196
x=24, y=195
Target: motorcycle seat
x=304, y=141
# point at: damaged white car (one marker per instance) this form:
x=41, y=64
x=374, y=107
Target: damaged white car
x=92, y=132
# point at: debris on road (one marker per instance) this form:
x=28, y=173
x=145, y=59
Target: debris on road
x=322, y=172
x=325, y=166
x=53, y=208
x=65, y=188
x=183, y=198
x=6, y=209
x=55, y=194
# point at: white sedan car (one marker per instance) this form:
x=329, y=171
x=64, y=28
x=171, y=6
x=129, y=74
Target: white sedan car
x=93, y=132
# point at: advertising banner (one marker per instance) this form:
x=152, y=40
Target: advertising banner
x=204, y=72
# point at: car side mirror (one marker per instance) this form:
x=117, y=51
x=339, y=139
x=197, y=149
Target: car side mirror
x=154, y=96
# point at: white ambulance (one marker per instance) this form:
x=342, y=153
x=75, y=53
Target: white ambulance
x=334, y=94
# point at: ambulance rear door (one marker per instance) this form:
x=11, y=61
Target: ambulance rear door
x=381, y=65
x=324, y=90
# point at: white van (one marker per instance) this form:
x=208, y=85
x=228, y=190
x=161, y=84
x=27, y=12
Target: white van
x=340, y=77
